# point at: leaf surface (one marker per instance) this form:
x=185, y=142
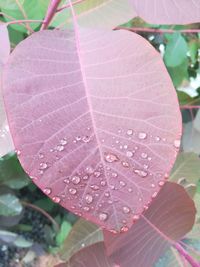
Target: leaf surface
x=83, y=234
x=92, y=256
x=95, y=120
x=168, y=11
x=170, y=217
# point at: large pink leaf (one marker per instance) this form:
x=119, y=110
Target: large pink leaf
x=95, y=120
x=92, y=256
x=168, y=11
x=170, y=217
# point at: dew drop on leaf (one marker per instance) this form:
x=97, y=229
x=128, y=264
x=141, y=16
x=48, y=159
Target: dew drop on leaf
x=72, y=191
x=126, y=209
x=125, y=164
x=129, y=132
x=141, y=173
x=43, y=166
x=103, y=216
x=94, y=187
x=89, y=198
x=47, y=191
x=142, y=135
x=144, y=155
x=76, y=179
x=109, y=157
x=129, y=154
x=56, y=199
x=177, y=143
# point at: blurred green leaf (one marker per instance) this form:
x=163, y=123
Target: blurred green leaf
x=14, y=239
x=179, y=73
x=11, y=172
x=63, y=233
x=176, y=51
x=187, y=166
x=32, y=8
x=10, y=205
x=45, y=203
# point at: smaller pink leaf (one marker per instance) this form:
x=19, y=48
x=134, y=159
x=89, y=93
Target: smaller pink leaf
x=92, y=256
x=6, y=144
x=170, y=217
x=168, y=11
x=5, y=44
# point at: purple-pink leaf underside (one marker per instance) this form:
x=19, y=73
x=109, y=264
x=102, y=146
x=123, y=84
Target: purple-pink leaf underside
x=168, y=11
x=95, y=120
x=92, y=256
x=170, y=217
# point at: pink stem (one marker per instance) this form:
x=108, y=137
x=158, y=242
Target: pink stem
x=185, y=254
x=189, y=107
x=68, y=5
x=158, y=30
x=24, y=21
x=50, y=13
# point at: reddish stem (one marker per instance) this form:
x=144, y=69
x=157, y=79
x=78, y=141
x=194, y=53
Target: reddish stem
x=158, y=30
x=185, y=254
x=68, y=5
x=24, y=21
x=50, y=13
x=189, y=107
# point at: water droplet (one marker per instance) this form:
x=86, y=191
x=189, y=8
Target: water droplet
x=66, y=181
x=124, y=229
x=56, y=199
x=72, y=191
x=76, y=180
x=18, y=152
x=107, y=194
x=89, y=170
x=161, y=183
x=130, y=190
x=114, y=174
x=103, y=216
x=43, y=166
x=85, y=177
x=109, y=157
x=146, y=166
x=63, y=142
x=97, y=174
x=129, y=132
x=60, y=148
x=122, y=183
x=141, y=173
x=177, y=143
x=86, y=208
x=89, y=198
x=94, y=187
x=157, y=138
x=154, y=195
x=125, y=164
x=47, y=191
x=136, y=217
x=41, y=156
x=149, y=158
x=153, y=185
x=142, y=135
x=129, y=154
x=103, y=183
x=86, y=139
x=144, y=155
x=126, y=209
x=125, y=146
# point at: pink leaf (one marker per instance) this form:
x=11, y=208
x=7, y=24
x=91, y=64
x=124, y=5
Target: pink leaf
x=92, y=256
x=95, y=120
x=170, y=217
x=168, y=11
x=5, y=44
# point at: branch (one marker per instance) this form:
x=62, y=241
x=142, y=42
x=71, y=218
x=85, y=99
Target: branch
x=68, y=5
x=185, y=254
x=26, y=204
x=189, y=107
x=161, y=31
x=50, y=13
